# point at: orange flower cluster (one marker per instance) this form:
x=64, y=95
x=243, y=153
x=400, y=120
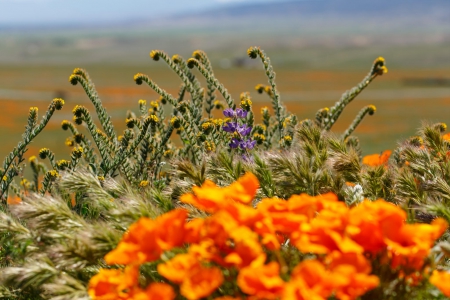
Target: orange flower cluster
x=375, y=160
x=233, y=245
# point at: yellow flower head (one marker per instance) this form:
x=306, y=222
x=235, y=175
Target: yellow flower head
x=154, y=105
x=138, y=78
x=197, y=54
x=69, y=142
x=58, y=103
x=143, y=183
x=153, y=119
x=175, y=122
x=176, y=58
x=65, y=125
x=252, y=52
x=62, y=164
x=142, y=102
x=44, y=152
x=78, y=151
x=155, y=54
x=259, y=88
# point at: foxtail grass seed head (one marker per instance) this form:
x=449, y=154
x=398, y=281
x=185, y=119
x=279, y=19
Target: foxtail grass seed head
x=44, y=152
x=155, y=54
x=252, y=52
x=372, y=109
x=59, y=103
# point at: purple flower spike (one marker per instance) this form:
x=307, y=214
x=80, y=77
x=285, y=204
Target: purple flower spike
x=240, y=113
x=229, y=127
x=229, y=113
x=244, y=129
x=234, y=143
x=248, y=144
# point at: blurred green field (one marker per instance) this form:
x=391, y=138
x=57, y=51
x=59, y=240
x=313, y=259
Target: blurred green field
x=308, y=79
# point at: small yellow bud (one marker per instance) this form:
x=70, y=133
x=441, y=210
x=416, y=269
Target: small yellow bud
x=143, y=183
x=154, y=54
x=58, y=102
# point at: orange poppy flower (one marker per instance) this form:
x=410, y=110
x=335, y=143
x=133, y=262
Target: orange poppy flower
x=263, y=282
x=179, y=267
x=446, y=137
x=13, y=200
x=158, y=291
x=201, y=282
x=372, y=222
x=412, y=243
x=113, y=284
x=377, y=159
x=208, y=197
x=192, y=230
x=244, y=189
x=247, y=249
x=441, y=281
x=147, y=239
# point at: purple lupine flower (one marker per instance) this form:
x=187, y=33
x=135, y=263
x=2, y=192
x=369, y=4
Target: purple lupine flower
x=230, y=127
x=229, y=113
x=234, y=143
x=248, y=144
x=244, y=129
x=240, y=113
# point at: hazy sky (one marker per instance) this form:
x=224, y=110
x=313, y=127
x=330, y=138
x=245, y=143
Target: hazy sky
x=29, y=12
